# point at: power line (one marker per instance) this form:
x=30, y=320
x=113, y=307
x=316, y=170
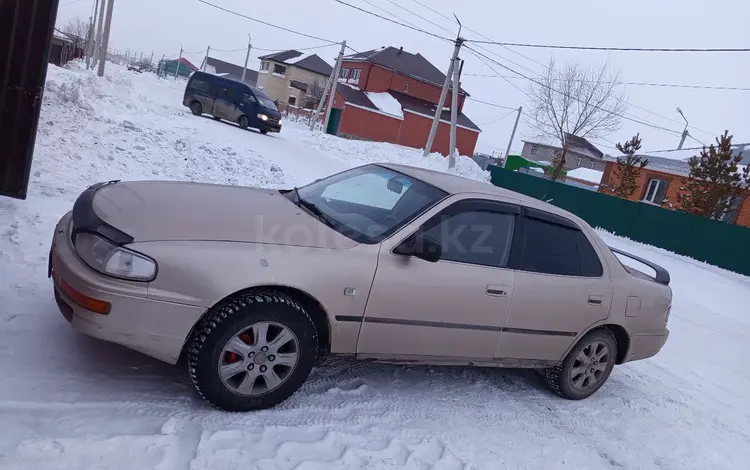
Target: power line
x=639, y=121
x=497, y=118
x=491, y=104
x=415, y=14
x=620, y=49
x=666, y=85
x=269, y=24
x=390, y=20
x=70, y=3
x=389, y=13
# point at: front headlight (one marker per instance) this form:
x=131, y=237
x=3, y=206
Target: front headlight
x=117, y=261
x=263, y=117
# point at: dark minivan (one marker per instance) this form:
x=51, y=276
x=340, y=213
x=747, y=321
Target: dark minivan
x=234, y=101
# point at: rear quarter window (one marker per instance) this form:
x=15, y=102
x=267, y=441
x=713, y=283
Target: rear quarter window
x=199, y=85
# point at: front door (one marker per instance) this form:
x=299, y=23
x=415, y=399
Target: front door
x=333, y=123
x=561, y=289
x=452, y=309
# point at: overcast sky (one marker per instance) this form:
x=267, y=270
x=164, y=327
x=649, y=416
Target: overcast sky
x=162, y=26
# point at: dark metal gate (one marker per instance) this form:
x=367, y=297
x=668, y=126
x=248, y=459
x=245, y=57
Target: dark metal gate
x=26, y=28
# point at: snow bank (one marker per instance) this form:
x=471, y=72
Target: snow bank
x=587, y=174
x=386, y=103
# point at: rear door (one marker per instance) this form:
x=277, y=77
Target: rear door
x=225, y=103
x=561, y=288
x=450, y=310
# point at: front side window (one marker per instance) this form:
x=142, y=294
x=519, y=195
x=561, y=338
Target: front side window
x=656, y=191
x=248, y=98
x=473, y=235
x=369, y=203
x=550, y=248
x=264, y=66
x=264, y=100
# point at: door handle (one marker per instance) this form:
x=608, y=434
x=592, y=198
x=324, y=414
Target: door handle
x=496, y=291
x=595, y=300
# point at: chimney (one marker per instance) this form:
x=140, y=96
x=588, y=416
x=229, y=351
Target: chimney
x=400, y=50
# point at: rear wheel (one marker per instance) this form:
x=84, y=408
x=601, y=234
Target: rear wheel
x=217, y=118
x=586, y=367
x=196, y=108
x=243, y=122
x=253, y=351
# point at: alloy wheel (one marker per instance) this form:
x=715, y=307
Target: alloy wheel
x=258, y=359
x=590, y=365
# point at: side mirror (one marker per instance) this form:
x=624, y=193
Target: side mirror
x=422, y=247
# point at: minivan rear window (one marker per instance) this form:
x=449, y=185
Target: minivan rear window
x=197, y=84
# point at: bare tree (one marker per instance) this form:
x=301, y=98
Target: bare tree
x=575, y=100
x=628, y=169
x=78, y=28
x=314, y=94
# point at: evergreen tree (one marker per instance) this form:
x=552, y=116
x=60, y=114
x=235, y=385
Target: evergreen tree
x=715, y=180
x=628, y=169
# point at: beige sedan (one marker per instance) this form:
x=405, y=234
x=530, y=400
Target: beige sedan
x=381, y=262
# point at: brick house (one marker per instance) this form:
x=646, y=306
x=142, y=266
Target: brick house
x=581, y=153
x=288, y=77
x=390, y=95
x=662, y=178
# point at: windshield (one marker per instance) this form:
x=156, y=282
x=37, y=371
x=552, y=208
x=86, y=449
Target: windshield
x=264, y=100
x=370, y=203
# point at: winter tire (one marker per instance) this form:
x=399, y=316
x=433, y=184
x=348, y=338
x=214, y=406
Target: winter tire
x=252, y=351
x=216, y=118
x=263, y=131
x=196, y=108
x=586, y=367
x=243, y=122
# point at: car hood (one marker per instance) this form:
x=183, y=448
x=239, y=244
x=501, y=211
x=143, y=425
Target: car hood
x=159, y=210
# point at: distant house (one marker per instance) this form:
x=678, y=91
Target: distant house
x=390, y=95
x=293, y=78
x=170, y=67
x=662, y=178
x=226, y=69
x=581, y=153
x=65, y=47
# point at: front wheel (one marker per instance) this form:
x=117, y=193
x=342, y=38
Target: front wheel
x=263, y=131
x=253, y=351
x=586, y=367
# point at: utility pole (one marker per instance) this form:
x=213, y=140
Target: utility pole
x=98, y=35
x=105, y=37
x=330, y=89
x=685, y=133
x=179, y=61
x=247, y=57
x=443, y=95
x=92, y=37
x=513, y=134
x=454, y=115
x=205, y=61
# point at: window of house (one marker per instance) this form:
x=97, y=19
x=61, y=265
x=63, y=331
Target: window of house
x=264, y=66
x=534, y=150
x=344, y=73
x=730, y=216
x=406, y=88
x=473, y=233
x=355, y=76
x=656, y=191
x=551, y=248
x=292, y=101
x=579, y=161
x=279, y=69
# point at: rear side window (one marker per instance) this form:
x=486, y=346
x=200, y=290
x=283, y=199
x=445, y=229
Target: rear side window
x=200, y=85
x=474, y=236
x=555, y=249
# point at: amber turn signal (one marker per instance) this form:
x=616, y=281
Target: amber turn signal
x=89, y=303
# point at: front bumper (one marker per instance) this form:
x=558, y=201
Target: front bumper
x=272, y=126
x=156, y=328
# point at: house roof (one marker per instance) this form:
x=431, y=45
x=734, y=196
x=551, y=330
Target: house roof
x=359, y=98
x=413, y=65
x=666, y=165
x=185, y=62
x=583, y=146
x=234, y=71
x=410, y=103
x=298, y=85
x=311, y=62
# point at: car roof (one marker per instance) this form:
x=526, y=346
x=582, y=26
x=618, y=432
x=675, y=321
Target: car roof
x=454, y=184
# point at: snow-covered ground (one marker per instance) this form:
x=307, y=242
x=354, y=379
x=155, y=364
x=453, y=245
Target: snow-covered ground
x=71, y=402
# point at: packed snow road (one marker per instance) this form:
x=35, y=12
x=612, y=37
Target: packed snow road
x=71, y=402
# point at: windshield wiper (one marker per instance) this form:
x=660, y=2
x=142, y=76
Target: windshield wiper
x=312, y=208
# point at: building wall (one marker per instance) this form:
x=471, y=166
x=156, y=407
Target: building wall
x=673, y=189
x=411, y=132
x=378, y=79
x=277, y=87
x=573, y=160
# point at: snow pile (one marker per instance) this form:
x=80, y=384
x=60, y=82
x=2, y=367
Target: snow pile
x=296, y=60
x=586, y=174
x=386, y=103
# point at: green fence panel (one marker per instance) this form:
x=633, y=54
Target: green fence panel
x=718, y=243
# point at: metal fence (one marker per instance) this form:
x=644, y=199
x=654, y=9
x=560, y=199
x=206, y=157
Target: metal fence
x=717, y=243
